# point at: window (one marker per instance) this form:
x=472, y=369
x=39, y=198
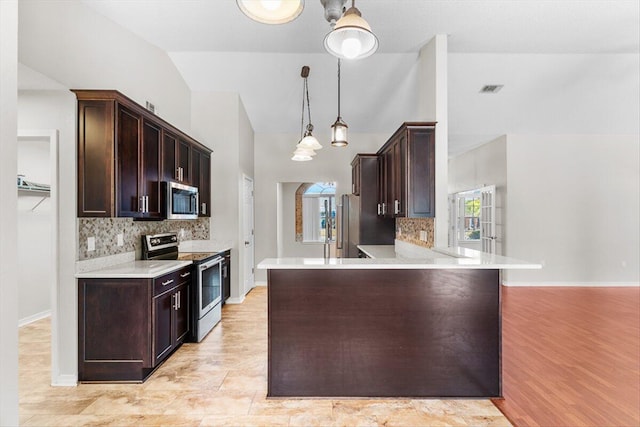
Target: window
x=315, y=210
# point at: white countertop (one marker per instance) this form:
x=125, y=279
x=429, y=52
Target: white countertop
x=135, y=269
x=444, y=258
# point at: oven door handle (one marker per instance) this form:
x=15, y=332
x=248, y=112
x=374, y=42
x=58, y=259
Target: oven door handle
x=210, y=264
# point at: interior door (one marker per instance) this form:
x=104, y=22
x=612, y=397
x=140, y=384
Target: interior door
x=247, y=230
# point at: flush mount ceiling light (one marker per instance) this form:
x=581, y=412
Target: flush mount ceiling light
x=351, y=37
x=308, y=143
x=271, y=11
x=339, y=128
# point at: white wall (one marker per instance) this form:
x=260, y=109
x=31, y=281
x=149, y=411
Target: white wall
x=8, y=213
x=35, y=227
x=76, y=46
x=573, y=205
x=273, y=165
x=93, y=53
x=482, y=166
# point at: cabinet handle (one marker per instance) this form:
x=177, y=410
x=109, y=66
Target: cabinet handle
x=204, y=208
x=175, y=301
x=146, y=204
x=178, y=300
x=168, y=282
x=353, y=188
x=396, y=207
x=141, y=204
x=188, y=273
x=181, y=174
x=379, y=209
x=384, y=209
x=178, y=174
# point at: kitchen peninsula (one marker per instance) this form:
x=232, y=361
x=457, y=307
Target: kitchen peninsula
x=386, y=327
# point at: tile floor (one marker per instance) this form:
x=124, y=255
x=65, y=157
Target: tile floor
x=219, y=382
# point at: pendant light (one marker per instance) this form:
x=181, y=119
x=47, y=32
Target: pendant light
x=271, y=11
x=352, y=37
x=308, y=143
x=339, y=128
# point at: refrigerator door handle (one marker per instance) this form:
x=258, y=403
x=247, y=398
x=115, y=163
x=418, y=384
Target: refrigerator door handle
x=339, y=227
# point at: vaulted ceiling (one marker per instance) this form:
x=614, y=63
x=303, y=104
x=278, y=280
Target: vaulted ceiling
x=565, y=64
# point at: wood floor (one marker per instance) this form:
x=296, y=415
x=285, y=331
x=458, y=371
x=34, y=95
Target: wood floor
x=222, y=382
x=571, y=356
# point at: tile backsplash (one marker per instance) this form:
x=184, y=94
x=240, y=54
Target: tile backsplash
x=408, y=230
x=106, y=230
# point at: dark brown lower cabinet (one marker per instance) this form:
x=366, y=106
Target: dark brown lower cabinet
x=429, y=333
x=127, y=327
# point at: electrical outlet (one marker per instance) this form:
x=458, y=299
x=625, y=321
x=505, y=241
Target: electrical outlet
x=182, y=233
x=423, y=235
x=120, y=239
x=91, y=244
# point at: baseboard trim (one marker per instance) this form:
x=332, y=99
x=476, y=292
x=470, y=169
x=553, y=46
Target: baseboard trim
x=34, y=318
x=65, y=381
x=573, y=284
x=257, y=283
x=234, y=300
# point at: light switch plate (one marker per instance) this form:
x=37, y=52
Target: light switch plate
x=91, y=244
x=120, y=238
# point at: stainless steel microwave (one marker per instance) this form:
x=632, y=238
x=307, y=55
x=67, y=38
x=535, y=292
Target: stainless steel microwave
x=180, y=201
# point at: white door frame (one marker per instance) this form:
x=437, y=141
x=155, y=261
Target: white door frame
x=53, y=137
x=248, y=262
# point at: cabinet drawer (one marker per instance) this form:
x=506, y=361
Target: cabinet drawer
x=171, y=280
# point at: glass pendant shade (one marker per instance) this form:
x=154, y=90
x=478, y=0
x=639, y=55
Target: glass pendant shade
x=271, y=11
x=303, y=155
x=352, y=37
x=302, y=151
x=309, y=141
x=339, y=133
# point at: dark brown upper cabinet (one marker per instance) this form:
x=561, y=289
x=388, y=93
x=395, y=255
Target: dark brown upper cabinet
x=406, y=169
x=201, y=167
x=125, y=152
x=176, y=159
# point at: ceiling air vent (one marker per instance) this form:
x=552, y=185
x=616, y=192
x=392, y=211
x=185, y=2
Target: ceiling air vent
x=491, y=88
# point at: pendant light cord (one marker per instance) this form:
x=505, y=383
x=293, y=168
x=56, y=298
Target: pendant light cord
x=302, y=119
x=306, y=86
x=338, y=87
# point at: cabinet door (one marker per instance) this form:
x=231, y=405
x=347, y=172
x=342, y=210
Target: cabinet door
x=128, y=161
x=355, y=176
x=181, y=313
x=421, y=176
x=389, y=173
x=226, y=277
x=113, y=326
x=95, y=158
x=151, y=146
x=163, y=307
x=183, y=161
x=399, y=191
x=169, y=163
x=205, y=185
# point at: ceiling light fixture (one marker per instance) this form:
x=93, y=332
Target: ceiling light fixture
x=308, y=143
x=271, y=11
x=339, y=128
x=351, y=37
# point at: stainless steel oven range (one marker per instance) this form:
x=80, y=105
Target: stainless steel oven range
x=206, y=293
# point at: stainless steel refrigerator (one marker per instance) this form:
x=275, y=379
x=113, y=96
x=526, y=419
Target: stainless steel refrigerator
x=359, y=224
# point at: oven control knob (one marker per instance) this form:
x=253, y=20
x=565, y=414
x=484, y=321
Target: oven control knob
x=174, y=239
x=155, y=241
